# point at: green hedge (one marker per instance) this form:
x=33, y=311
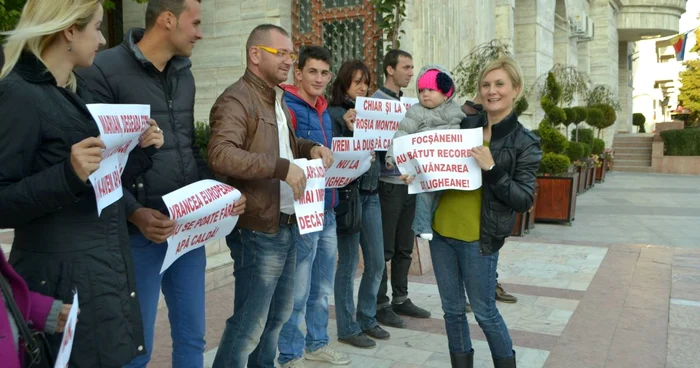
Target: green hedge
x=202, y=131
x=681, y=142
x=575, y=151
x=554, y=163
x=585, y=135
x=586, y=149
x=598, y=146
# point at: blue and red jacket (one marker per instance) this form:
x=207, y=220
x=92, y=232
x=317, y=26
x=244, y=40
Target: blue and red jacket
x=313, y=123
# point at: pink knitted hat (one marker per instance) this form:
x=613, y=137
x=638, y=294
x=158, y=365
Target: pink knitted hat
x=437, y=81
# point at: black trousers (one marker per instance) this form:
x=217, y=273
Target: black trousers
x=398, y=210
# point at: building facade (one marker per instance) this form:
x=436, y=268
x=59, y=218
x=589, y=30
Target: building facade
x=595, y=36
x=656, y=79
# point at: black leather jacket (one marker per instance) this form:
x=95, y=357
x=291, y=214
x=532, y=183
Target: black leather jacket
x=510, y=186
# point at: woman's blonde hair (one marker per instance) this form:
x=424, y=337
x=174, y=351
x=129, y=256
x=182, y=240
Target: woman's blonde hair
x=511, y=67
x=39, y=25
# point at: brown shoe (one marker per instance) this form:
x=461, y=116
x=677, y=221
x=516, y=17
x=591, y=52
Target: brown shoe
x=503, y=296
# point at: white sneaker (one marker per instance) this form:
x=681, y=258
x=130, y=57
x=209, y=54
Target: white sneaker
x=296, y=363
x=328, y=355
x=426, y=236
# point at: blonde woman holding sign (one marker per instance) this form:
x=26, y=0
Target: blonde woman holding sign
x=470, y=227
x=49, y=146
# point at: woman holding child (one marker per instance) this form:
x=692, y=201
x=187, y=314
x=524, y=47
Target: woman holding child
x=469, y=227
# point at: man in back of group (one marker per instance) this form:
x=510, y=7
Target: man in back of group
x=152, y=66
x=316, y=252
x=398, y=210
x=253, y=146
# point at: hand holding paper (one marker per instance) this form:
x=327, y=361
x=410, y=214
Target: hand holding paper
x=203, y=212
x=324, y=154
x=440, y=159
x=296, y=179
x=153, y=224
x=351, y=160
x=85, y=157
x=238, y=206
x=309, y=208
x=63, y=356
x=482, y=155
x=121, y=127
x=153, y=136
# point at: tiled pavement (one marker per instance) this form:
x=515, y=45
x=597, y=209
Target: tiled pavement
x=620, y=288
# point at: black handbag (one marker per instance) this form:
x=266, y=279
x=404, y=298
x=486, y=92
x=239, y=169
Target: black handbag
x=348, y=214
x=38, y=351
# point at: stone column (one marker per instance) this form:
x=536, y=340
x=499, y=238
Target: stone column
x=604, y=50
x=534, y=43
x=624, y=116
x=505, y=17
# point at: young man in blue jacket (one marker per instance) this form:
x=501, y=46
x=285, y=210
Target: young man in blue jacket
x=316, y=252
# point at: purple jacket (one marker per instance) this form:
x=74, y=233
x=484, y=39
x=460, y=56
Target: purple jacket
x=34, y=307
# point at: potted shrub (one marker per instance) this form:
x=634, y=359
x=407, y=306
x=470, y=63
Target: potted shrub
x=558, y=186
x=638, y=120
x=575, y=152
x=609, y=159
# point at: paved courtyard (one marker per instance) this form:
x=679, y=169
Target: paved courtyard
x=619, y=288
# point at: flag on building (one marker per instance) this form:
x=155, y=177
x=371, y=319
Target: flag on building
x=681, y=43
x=678, y=42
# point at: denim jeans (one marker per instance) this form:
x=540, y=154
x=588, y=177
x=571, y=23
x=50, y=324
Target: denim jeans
x=264, y=266
x=457, y=263
x=183, y=288
x=372, y=244
x=426, y=204
x=313, y=283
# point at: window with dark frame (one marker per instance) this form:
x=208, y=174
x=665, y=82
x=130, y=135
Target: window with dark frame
x=347, y=28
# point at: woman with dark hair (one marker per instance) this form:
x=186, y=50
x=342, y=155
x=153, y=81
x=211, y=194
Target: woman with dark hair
x=357, y=216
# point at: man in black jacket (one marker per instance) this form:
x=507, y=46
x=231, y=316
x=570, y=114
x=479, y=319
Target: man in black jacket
x=153, y=67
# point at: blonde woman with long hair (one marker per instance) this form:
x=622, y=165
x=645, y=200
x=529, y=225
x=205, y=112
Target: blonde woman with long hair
x=49, y=145
x=470, y=227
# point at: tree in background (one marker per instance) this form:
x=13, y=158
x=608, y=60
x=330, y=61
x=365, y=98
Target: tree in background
x=690, y=92
x=392, y=14
x=10, y=11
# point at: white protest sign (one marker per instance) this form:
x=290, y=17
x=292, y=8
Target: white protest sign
x=350, y=162
x=68, y=335
x=377, y=120
x=309, y=208
x=202, y=212
x=440, y=159
x=408, y=102
x=120, y=128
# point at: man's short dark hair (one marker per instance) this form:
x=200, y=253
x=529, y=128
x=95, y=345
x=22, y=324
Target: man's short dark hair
x=315, y=53
x=157, y=7
x=391, y=59
x=261, y=34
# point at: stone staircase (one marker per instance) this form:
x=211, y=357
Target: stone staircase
x=219, y=270
x=633, y=152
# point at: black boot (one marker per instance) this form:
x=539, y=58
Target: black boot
x=504, y=362
x=462, y=360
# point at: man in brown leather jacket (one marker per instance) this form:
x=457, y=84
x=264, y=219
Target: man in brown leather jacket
x=253, y=147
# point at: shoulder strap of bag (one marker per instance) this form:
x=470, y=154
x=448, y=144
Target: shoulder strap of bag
x=26, y=334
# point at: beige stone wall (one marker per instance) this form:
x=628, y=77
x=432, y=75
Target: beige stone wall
x=438, y=31
x=219, y=59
